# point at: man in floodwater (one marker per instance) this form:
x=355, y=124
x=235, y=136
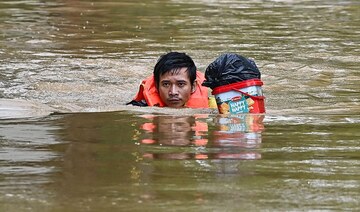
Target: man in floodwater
x=175, y=83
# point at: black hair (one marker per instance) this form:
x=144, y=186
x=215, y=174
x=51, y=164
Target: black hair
x=173, y=62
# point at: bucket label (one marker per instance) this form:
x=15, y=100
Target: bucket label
x=237, y=101
x=235, y=105
x=238, y=105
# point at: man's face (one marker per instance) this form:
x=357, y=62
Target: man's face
x=175, y=88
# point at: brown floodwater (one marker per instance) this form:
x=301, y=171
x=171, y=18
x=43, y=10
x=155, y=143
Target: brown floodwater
x=121, y=161
x=68, y=142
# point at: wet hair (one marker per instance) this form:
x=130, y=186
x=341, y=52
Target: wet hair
x=172, y=62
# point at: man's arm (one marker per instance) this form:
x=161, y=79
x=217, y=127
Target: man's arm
x=141, y=103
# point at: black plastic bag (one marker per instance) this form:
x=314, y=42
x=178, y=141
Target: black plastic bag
x=230, y=68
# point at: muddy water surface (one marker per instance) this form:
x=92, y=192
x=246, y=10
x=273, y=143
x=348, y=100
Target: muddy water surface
x=81, y=61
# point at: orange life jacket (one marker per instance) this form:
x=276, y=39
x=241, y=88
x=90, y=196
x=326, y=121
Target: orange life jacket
x=149, y=93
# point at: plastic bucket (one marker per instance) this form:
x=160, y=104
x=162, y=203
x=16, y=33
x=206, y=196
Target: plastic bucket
x=241, y=97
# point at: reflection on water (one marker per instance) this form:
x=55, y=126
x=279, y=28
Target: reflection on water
x=122, y=161
x=233, y=137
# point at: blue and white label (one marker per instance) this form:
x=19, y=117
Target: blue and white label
x=238, y=106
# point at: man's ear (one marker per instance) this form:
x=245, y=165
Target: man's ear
x=156, y=86
x=193, y=87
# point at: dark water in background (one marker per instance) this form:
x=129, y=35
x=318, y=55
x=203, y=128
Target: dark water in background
x=90, y=56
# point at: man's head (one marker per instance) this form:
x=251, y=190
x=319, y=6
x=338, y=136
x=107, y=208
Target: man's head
x=175, y=78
